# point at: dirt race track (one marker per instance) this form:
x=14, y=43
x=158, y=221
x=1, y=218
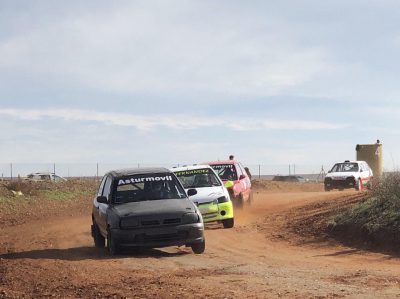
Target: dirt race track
x=266, y=255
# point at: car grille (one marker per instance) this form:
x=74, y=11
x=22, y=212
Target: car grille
x=172, y=221
x=161, y=237
x=150, y=222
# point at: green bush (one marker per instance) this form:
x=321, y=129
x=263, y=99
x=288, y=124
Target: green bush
x=377, y=218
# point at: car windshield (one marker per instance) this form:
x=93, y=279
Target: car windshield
x=345, y=167
x=198, y=178
x=226, y=172
x=147, y=187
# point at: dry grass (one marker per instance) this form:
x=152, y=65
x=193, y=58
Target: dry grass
x=376, y=220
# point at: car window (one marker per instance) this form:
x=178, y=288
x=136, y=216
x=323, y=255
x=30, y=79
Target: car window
x=107, y=187
x=45, y=177
x=345, y=167
x=227, y=172
x=198, y=178
x=242, y=169
x=101, y=187
x=147, y=187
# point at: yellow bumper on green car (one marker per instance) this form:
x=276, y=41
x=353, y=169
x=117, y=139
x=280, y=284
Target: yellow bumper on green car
x=216, y=211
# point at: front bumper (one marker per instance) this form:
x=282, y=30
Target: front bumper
x=212, y=212
x=344, y=183
x=186, y=234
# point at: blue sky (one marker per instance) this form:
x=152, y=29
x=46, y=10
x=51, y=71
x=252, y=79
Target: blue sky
x=186, y=81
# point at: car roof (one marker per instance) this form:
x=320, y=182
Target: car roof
x=190, y=167
x=134, y=171
x=227, y=162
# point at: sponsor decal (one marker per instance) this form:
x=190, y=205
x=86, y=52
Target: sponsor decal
x=134, y=180
x=222, y=166
x=191, y=172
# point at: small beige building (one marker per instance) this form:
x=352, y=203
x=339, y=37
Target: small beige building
x=373, y=155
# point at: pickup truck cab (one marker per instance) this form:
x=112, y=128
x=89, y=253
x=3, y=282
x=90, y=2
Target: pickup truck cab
x=145, y=207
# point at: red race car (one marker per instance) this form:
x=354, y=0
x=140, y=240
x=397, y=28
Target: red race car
x=237, y=179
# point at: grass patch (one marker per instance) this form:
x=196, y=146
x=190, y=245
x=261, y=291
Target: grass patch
x=376, y=220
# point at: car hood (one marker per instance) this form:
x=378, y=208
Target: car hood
x=208, y=194
x=341, y=174
x=155, y=207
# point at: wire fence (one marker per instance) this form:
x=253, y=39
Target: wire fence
x=95, y=170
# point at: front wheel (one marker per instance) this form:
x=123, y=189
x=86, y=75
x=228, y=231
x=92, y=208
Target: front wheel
x=99, y=240
x=228, y=223
x=250, y=199
x=199, y=248
x=359, y=186
x=112, y=245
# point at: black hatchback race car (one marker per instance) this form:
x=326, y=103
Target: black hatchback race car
x=146, y=207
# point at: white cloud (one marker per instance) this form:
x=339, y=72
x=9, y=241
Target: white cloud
x=158, y=49
x=178, y=122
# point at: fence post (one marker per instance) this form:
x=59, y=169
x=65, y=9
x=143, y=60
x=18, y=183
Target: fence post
x=97, y=171
x=11, y=171
x=259, y=171
x=54, y=171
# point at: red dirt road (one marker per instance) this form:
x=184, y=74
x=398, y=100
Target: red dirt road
x=260, y=258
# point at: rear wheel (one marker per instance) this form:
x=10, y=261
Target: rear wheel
x=199, y=248
x=99, y=240
x=228, y=223
x=238, y=201
x=112, y=245
x=327, y=189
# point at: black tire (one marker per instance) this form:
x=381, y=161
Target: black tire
x=228, y=223
x=238, y=201
x=112, y=245
x=99, y=240
x=359, y=185
x=327, y=189
x=250, y=199
x=199, y=248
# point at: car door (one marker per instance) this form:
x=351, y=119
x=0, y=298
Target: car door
x=241, y=179
x=245, y=179
x=103, y=207
x=96, y=205
x=367, y=173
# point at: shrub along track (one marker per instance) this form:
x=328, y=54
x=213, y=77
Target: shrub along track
x=272, y=252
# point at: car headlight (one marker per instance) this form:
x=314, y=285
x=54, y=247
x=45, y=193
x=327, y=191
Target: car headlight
x=190, y=218
x=223, y=199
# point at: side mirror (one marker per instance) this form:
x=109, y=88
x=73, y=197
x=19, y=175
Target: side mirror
x=191, y=192
x=102, y=199
x=242, y=177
